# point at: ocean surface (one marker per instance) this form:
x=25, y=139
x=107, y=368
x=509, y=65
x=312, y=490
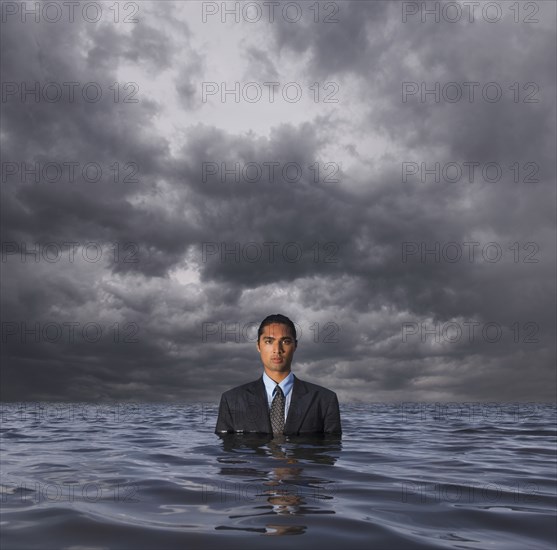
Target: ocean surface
x=79, y=476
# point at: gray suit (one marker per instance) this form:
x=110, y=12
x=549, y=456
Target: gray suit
x=313, y=409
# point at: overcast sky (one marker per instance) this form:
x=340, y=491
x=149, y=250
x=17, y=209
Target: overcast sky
x=383, y=176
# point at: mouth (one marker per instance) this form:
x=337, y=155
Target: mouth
x=277, y=359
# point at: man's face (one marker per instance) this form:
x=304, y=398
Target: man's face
x=276, y=346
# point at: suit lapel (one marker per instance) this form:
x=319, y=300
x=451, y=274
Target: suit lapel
x=299, y=406
x=257, y=406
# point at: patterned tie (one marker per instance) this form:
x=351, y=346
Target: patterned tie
x=277, y=411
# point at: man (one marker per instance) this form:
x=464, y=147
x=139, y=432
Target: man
x=278, y=402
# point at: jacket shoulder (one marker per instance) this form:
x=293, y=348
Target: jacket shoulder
x=324, y=392
x=248, y=386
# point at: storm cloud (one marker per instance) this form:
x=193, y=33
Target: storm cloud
x=384, y=176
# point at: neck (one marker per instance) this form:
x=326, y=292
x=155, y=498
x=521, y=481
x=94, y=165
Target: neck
x=277, y=377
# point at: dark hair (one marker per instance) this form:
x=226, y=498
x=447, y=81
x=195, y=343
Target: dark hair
x=277, y=318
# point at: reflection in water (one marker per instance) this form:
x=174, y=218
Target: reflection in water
x=291, y=474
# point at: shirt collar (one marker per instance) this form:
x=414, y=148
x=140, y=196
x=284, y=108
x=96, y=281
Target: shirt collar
x=285, y=385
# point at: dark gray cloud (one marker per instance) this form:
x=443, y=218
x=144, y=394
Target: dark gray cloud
x=190, y=264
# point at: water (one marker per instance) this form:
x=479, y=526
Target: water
x=155, y=476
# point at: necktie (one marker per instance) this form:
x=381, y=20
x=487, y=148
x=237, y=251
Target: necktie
x=277, y=411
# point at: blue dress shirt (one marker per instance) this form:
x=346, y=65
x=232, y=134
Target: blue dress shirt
x=286, y=386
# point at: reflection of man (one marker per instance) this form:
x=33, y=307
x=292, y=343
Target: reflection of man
x=278, y=402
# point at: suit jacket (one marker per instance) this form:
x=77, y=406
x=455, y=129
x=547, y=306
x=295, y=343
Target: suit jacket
x=313, y=409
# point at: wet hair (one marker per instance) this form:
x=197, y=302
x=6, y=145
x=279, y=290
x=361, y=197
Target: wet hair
x=277, y=318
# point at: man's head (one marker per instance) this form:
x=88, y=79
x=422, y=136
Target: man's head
x=276, y=343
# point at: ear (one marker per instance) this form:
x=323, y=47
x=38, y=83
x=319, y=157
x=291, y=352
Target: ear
x=257, y=344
